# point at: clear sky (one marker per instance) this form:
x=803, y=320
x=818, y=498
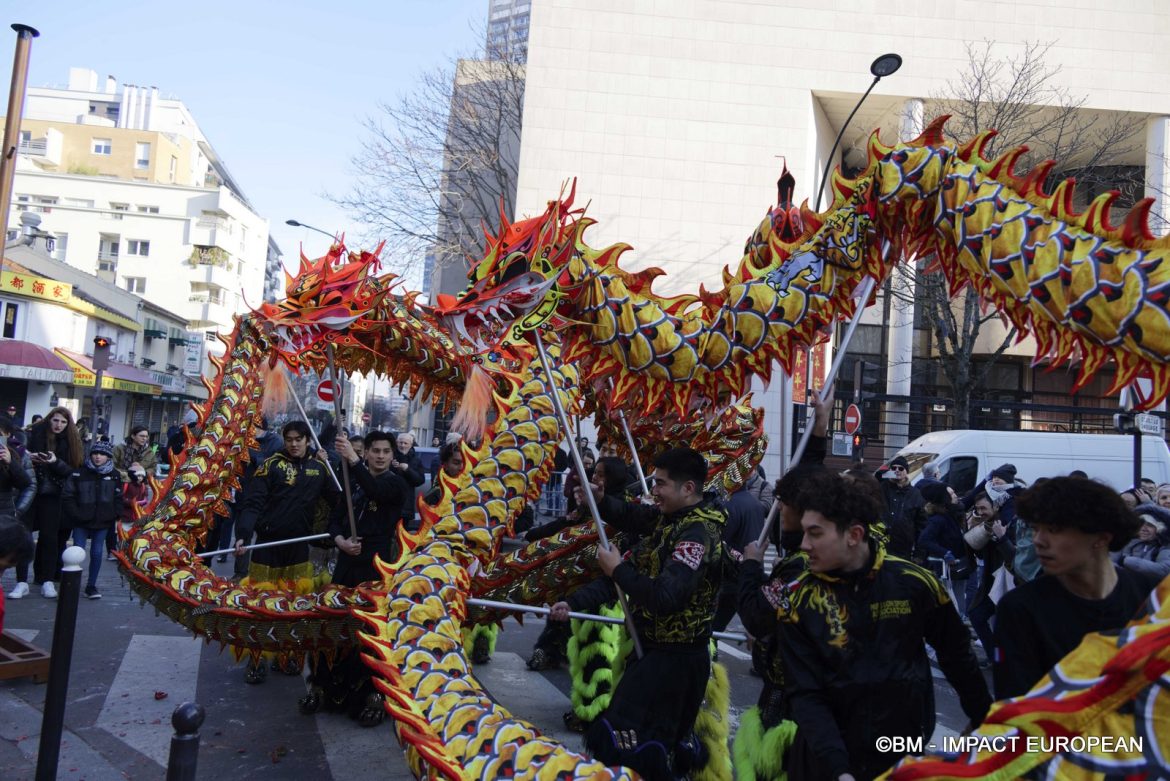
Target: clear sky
x=279, y=88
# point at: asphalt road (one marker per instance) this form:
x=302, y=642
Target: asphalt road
x=131, y=668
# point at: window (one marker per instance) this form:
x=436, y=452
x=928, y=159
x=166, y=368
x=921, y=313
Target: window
x=10, y=312
x=174, y=166
x=211, y=336
x=109, y=265
x=141, y=155
x=83, y=203
x=102, y=146
x=136, y=284
x=138, y=247
x=118, y=207
x=148, y=209
x=22, y=203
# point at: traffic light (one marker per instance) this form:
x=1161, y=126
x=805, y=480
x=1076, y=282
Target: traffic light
x=858, y=446
x=101, y=353
x=867, y=379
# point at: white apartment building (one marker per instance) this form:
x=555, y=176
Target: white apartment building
x=135, y=193
x=673, y=116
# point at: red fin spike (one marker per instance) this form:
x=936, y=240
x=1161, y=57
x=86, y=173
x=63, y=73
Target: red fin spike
x=932, y=134
x=1033, y=183
x=1003, y=167
x=1136, y=229
x=973, y=150
x=1096, y=217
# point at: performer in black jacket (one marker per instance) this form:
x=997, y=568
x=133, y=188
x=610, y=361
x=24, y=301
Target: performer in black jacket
x=282, y=502
x=766, y=730
x=671, y=578
x=852, y=641
x=345, y=684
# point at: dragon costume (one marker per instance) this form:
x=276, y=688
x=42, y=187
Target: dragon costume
x=1089, y=291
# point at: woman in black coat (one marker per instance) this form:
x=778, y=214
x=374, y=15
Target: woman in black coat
x=54, y=447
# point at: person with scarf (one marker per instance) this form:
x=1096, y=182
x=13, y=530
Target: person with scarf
x=137, y=450
x=92, y=500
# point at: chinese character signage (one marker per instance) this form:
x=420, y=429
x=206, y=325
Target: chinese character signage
x=36, y=287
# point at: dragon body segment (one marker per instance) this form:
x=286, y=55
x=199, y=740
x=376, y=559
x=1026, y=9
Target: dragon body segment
x=1089, y=292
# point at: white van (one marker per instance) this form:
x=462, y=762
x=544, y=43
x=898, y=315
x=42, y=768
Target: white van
x=966, y=457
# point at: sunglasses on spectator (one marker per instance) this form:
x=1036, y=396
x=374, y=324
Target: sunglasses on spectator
x=898, y=468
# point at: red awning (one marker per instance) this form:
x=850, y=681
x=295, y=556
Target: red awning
x=117, y=376
x=28, y=361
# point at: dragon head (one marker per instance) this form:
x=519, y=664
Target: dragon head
x=327, y=298
x=514, y=287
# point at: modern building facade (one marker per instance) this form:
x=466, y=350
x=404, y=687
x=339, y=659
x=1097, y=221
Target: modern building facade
x=134, y=192
x=52, y=312
x=674, y=118
x=507, y=31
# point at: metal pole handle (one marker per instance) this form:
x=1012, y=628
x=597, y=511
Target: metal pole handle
x=584, y=478
x=259, y=545
x=337, y=423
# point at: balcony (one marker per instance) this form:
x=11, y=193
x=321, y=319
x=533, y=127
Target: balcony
x=209, y=256
x=151, y=333
x=35, y=147
x=179, y=341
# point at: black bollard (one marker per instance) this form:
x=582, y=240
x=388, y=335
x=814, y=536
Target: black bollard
x=64, y=628
x=186, y=719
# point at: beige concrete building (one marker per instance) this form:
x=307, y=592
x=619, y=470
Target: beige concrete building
x=674, y=116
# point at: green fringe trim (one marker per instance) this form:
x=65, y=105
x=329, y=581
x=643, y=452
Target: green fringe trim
x=471, y=633
x=713, y=727
x=598, y=651
x=759, y=755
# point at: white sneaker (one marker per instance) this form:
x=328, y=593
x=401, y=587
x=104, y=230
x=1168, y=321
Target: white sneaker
x=48, y=590
x=20, y=591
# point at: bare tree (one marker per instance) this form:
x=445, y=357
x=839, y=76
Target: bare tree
x=1018, y=97
x=437, y=163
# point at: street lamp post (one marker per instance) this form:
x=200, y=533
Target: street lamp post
x=333, y=236
x=883, y=66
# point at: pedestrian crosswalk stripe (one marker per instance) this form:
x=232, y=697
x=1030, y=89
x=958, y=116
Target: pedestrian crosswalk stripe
x=163, y=664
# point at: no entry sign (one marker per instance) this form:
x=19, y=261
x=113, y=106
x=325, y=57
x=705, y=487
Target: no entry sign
x=325, y=390
x=852, y=419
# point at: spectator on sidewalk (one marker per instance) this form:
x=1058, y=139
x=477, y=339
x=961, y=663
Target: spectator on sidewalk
x=904, y=515
x=943, y=539
x=55, y=449
x=1076, y=524
x=136, y=450
x=1149, y=552
x=92, y=502
x=18, y=477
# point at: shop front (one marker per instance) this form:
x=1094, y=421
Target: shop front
x=29, y=378
x=123, y=389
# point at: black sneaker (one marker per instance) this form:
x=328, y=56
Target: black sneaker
x=91, y=592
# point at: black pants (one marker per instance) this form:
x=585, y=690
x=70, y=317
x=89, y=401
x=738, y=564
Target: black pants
x=46, y=513
x=653, y=709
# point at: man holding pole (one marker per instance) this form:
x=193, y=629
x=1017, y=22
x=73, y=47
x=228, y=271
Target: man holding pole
x=282, y=503
x=671, y=578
